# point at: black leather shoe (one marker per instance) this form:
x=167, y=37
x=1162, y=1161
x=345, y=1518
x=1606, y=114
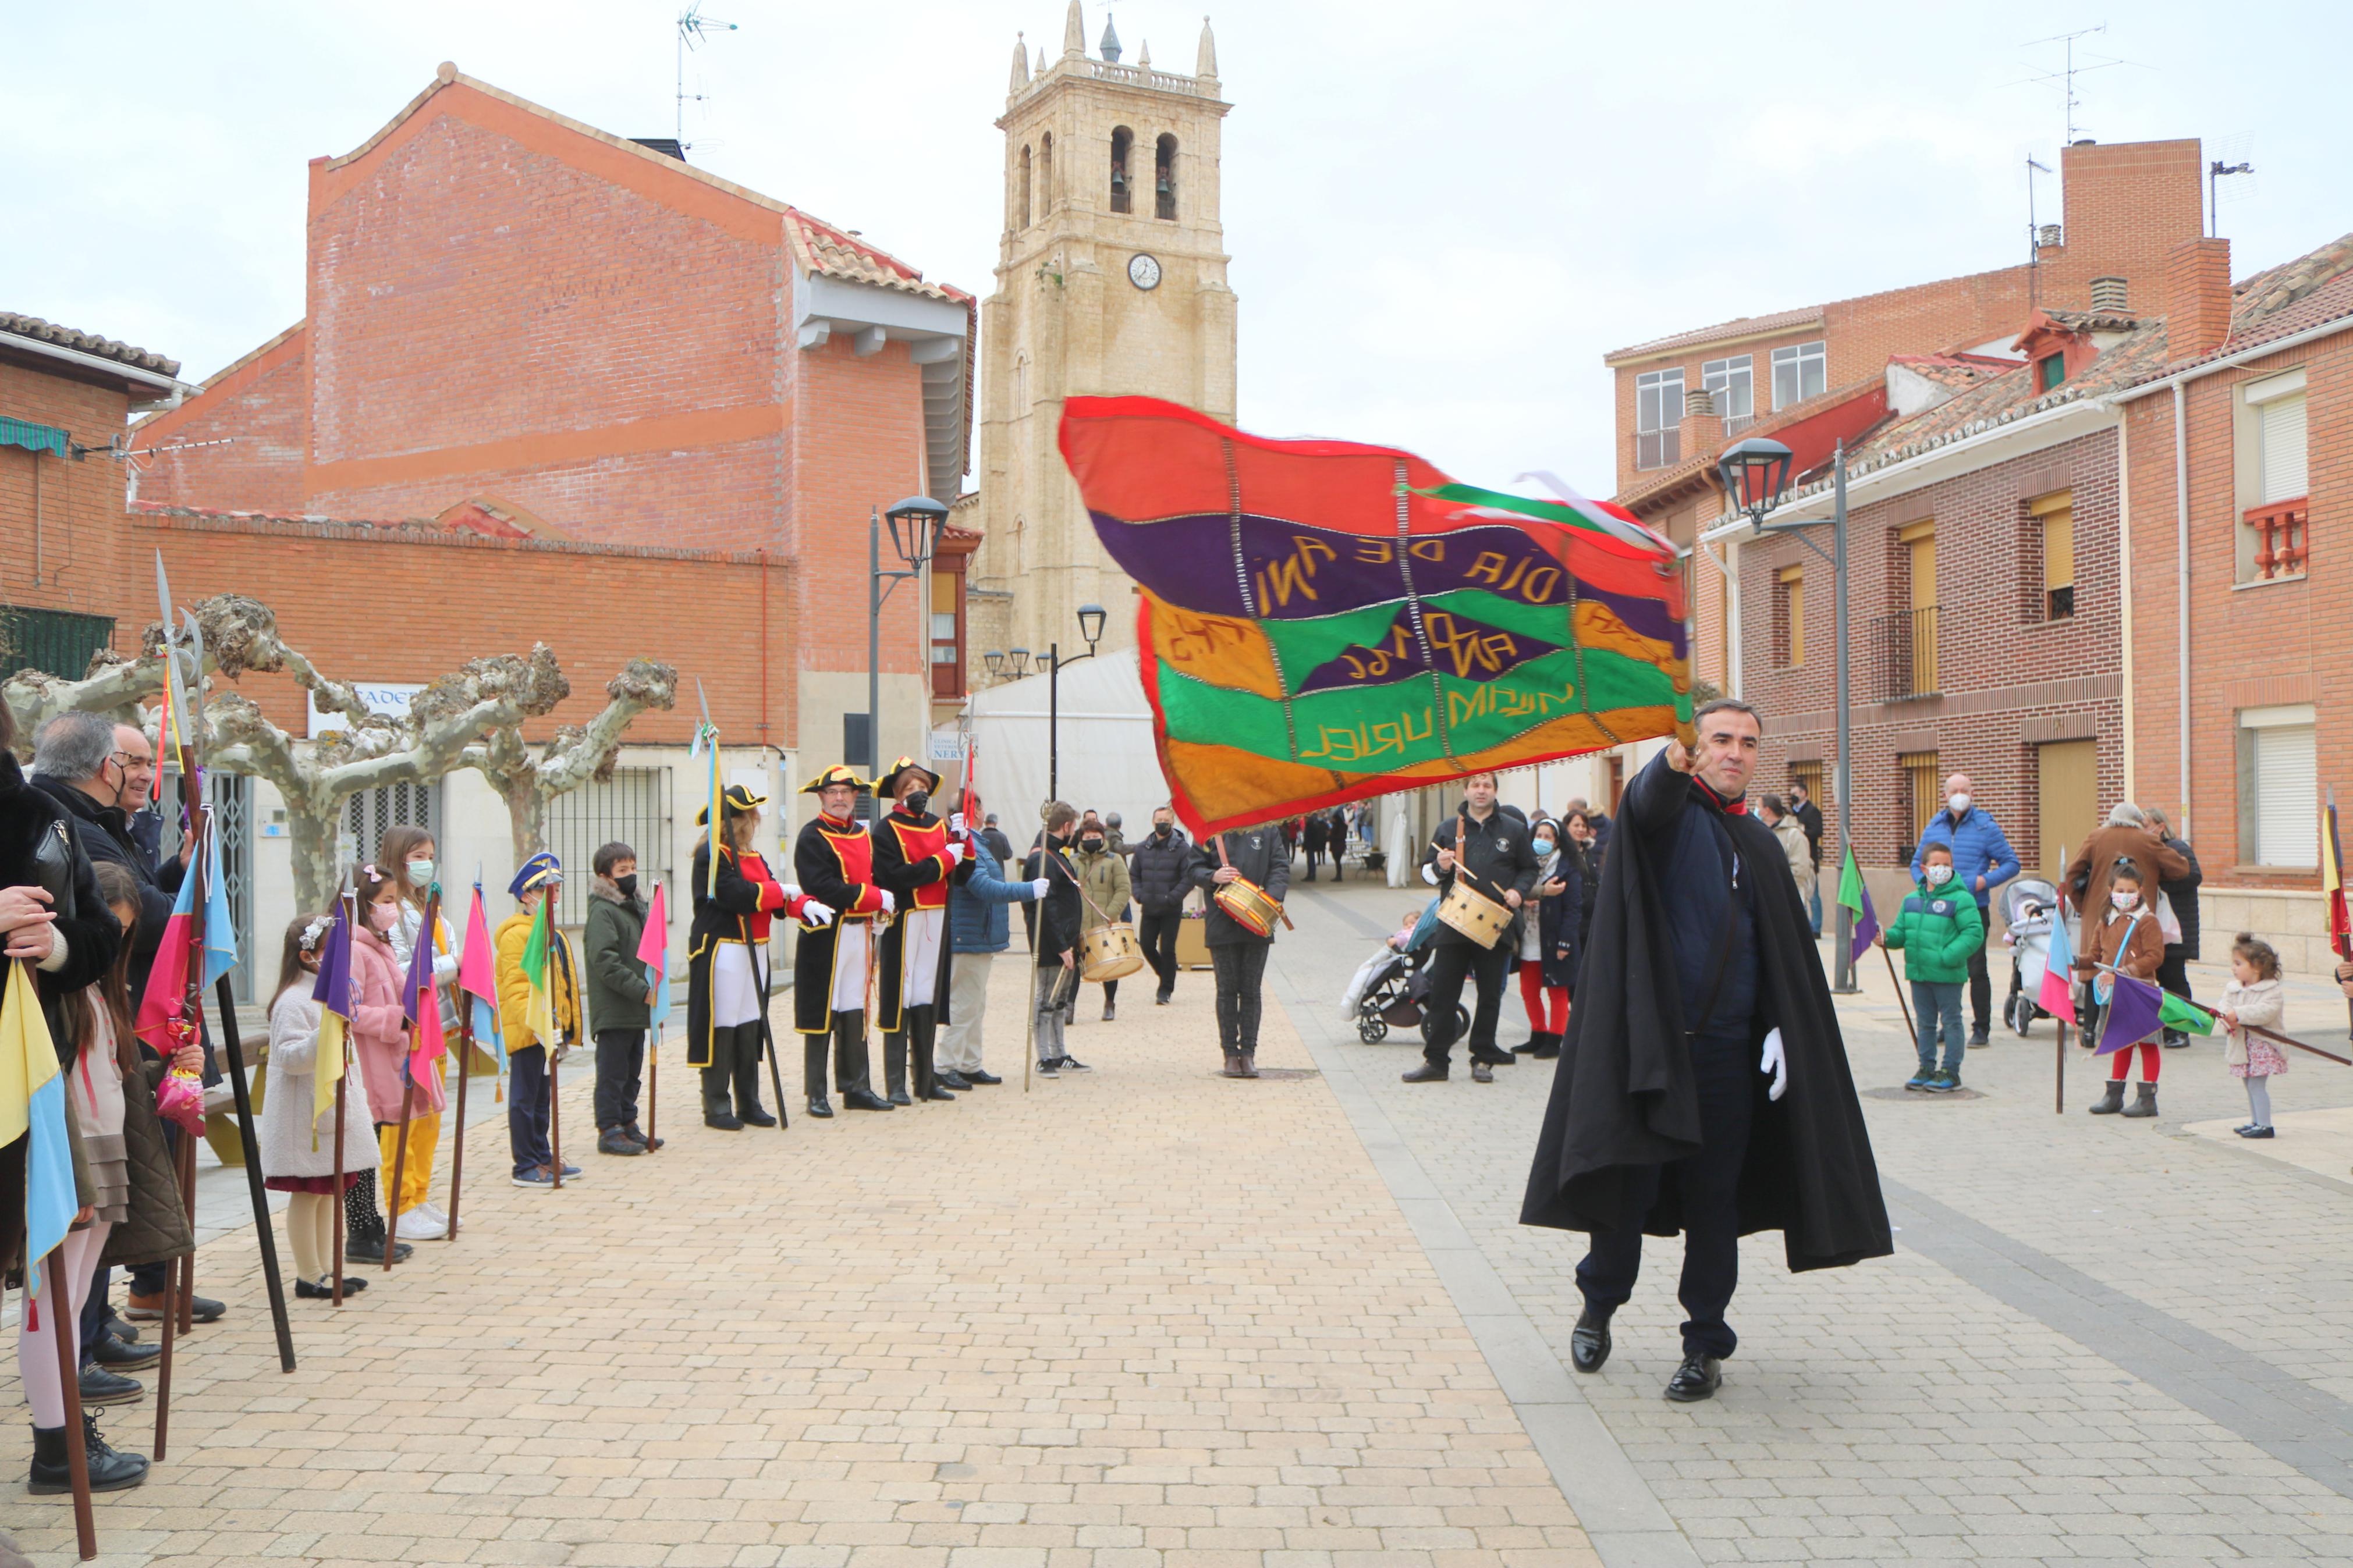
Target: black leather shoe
x=724, y=1119
x=756, y=1115
x=821, y=1108
x=109, y=1471
x=976, y=1076
x=311, y=1290
x=1698, y=1378
x=901, y=1097
x=936, y=1092
x=864, y=1099
x=117, y=1327
x=99, y=1387
x=112, y=1353
x=1493, y=1059
x=948, y=1077
x=1589, y=1343
x=1427, y=1072
x=370, y=1249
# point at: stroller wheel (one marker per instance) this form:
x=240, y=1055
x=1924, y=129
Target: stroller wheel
x=1461, y=1024
x=1372, y=1028
x=2022, y=1012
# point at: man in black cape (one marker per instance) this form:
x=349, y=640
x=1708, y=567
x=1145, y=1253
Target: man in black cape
x=1702, y=1085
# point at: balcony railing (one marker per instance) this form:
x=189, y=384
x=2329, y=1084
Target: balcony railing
x=2283, y=528
x=1733, y=424
x=1907, y=646
x=1658, y=448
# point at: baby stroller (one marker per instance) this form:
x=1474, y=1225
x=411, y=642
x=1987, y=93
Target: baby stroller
x=1389, y=991
x=2029, y=906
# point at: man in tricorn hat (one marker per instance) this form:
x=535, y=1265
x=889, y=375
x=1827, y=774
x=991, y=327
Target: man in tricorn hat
x=915, y=856
x=727, y=1005
x=834, y=859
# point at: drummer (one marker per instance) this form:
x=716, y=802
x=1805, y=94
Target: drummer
x=1258, y=855
x=1492, y=847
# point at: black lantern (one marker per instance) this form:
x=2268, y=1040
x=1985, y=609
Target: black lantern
x=915, y=525
x=1091, y=624
x=1020, y=657
x=1756, y=473
x=994, y=660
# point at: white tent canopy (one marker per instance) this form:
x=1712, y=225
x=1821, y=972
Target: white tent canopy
x=1108, y=759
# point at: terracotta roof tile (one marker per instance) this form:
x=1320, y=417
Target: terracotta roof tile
x=87, y=343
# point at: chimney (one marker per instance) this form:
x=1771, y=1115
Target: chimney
x=2197, y=297
x=2108, y=295
x=1703, y=433
x=2048, y=238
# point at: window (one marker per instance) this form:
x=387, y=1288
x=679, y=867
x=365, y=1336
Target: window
x=2279, y=788
x=1800, y=372
x=1732, y=380
x=1025, y=189
x=947, y=633
x=2056, y=515
x=59, y=642
x=368, y=814
x=1122, y=143
x=2050, y=371
x=1046, y=173
x=1919, y=543
x=1790, y=617
x=1809, y=773
x=1922, y=779
x=2274, y=541
x=632, y=807
x=1164, y=178
x=1658, y=418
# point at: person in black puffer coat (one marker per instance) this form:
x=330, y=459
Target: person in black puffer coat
x=1159, y=874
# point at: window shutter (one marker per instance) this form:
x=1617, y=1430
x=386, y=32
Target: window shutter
x=2287, y=792
x=2284, y=448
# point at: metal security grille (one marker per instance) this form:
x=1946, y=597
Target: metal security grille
x=1920, y=785
x=368, y=813
x=231, y=799
x=59, y=642
x=632, y=807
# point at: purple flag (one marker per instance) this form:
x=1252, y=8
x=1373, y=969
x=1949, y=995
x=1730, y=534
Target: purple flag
x=333, y=990
x=2135, y=1011
x=1853, y=894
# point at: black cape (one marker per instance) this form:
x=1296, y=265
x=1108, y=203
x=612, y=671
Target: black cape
x=1622, y=1094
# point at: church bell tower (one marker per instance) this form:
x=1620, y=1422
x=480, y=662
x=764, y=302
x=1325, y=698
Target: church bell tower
x=1110, y=279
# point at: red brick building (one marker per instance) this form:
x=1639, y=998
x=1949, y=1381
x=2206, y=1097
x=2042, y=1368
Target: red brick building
x=514, y=315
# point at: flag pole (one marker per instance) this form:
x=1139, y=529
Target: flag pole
x=2058, y=1064
x=653, y=1086
x=465, y=1071
x=1898, y=984
x=70, y=1383
x=347, y=906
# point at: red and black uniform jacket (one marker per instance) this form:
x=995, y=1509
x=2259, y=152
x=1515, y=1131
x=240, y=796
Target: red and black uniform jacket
x=834, y=863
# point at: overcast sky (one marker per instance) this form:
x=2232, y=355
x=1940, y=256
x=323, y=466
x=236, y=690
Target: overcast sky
x=1441, y=215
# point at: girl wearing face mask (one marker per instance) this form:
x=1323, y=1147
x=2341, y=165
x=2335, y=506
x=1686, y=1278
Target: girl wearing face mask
x=1547, y=957
x=407, y=853
x=2124, y=937
x=379, y=1038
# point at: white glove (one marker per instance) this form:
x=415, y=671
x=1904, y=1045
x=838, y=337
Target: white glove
x=955, y=856
x=1776, y=1062
x=1038, y=888
x=816, y=914
x=890, y=904
x=1429, y=875
x=956, y=823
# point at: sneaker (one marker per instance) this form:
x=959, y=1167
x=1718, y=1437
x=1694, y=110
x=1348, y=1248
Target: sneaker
x=1111, y=1012
x=1942, y=1082
x=1920, y=1079
x=1072, y=1064
x=439, y=1215
x=150, y=1308
x=2256, y=1132
x=613, y=1140
x=99, y=1387
x=415, y=1225
x=1161, y=1000
x=537, y=1176
x=571, y=1173
x=1047, y=1069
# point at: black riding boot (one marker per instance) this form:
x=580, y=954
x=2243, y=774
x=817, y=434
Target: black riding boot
x=850, y=1074
x=716, y=1112
x=894, y=1058
x=813, y=1075
x=922, y=1026
x=747, y=1077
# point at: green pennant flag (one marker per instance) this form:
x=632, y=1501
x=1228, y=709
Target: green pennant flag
x=2176, y=1014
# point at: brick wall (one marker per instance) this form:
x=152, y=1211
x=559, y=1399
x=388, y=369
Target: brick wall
x=239, y=446
x=2008, y=679
x=58, y=548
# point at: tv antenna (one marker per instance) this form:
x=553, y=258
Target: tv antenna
x=2235, y=159
x=2034, y=233
x=692, y=25
x=2067, y=73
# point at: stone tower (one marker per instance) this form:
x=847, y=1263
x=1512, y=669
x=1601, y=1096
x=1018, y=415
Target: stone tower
x=1111, y=279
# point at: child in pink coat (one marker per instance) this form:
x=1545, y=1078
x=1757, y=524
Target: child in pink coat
x=380, y=1044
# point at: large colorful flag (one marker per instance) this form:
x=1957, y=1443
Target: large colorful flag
x=420, y=1004
x=2136, y=1010
x=538, y=957
x=2056, y=995
x=653, y=951
x=1322, y=622
x=478, y=978
x=333, y=994
x=167, y=981
x=1854, y=896
x=33, y=1107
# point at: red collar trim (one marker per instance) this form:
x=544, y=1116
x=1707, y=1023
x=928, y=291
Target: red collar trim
x=1737, y=805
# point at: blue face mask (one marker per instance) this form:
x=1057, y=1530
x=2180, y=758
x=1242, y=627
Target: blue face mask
x=1544, y=846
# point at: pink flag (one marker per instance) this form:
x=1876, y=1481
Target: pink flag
x=421, y=1002
x=477, y=972
x=167, y=981
x=653, y=948
x=2057, y=995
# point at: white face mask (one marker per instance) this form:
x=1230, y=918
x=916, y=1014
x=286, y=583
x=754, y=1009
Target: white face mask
x=2123, y=899
x=420, y=873
x=1958, y=801
x=1939, y=875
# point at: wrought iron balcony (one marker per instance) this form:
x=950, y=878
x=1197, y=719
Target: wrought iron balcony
x=1907, y=652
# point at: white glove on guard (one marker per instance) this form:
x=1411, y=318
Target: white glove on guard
x=816, y=914
x=890, y=904
x=1777, y=1063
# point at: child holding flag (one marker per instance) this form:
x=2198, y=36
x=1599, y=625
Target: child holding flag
x=406, y=852
x=621, y=998
x=1937, y=928
x=380, y=1044
x=539, y=1015
x=2255, y=995
x=297, y=1150
x=2124, y=937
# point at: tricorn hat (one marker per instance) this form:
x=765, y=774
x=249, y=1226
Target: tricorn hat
x=888, y=784
x=836, y=775
x=734, y=801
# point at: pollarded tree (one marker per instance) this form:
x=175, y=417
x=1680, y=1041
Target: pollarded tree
x=527, y=780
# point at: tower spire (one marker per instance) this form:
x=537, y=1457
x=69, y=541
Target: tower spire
x=1110, y=39
x=1207, y=64
x=1074, y=31
x=1020, y=66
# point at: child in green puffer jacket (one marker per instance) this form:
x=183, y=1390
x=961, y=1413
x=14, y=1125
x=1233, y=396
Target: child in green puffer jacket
x=1939, y=927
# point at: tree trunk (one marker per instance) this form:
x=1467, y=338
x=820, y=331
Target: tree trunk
x=526, y=814
x=314, y=829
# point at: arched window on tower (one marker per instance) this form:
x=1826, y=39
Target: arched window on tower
x=1046, y=174
x=1025, y=188
x=1164, y=178
x=1123, y=141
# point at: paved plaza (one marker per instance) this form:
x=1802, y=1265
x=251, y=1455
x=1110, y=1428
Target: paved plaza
x=1149, y=1318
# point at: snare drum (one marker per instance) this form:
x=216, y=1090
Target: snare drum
x=1249, y=904
x=1109, y=952
x=1467, y=910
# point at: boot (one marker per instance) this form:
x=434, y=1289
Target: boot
x=747, y=1077
x=923, y=1023
x=850, y=1069
x=2146, y=1104
x=1233, y=1068
x=813, y=1076
x=716, y=1112
x=894, y=1062
x=1549, y=1050
x=2112, y=1098
x=1534, y=1041
x=108, y=1472
x=1250, y=1064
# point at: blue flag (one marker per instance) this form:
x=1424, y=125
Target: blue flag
x=220, y=923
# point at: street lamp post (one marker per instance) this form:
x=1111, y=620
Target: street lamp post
x=915, y=525
x=1755, y=474
x=1090, y=627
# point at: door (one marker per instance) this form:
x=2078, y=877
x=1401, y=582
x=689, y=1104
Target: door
x=2068, y=809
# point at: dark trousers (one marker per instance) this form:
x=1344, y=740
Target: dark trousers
x=1240, y=968
x=1314, y=855
x=621, y=1062
x=1980, y=989
x=527, y=1108
x=1157, y=931
x=1723, y=1071
x=1450, y=964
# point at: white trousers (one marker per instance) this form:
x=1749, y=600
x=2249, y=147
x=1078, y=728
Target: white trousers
x=849, y=968
x=36, y=1349
x=734, y=998
x=959, y=1042
x=920, y=933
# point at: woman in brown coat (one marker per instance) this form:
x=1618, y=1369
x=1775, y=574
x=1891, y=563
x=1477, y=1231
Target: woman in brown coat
x=2124, y=937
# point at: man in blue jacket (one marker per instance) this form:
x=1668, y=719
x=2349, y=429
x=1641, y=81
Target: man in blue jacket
x=977, y=929
x=1982, y=861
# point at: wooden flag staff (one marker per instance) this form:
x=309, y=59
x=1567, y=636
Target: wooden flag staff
x=70, y=1383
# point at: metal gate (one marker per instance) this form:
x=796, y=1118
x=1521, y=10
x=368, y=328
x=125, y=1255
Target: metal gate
x=632, y=807
x=230, y=797
x=368, y=813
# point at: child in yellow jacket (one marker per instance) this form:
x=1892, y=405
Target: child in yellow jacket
x=530, y=1087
